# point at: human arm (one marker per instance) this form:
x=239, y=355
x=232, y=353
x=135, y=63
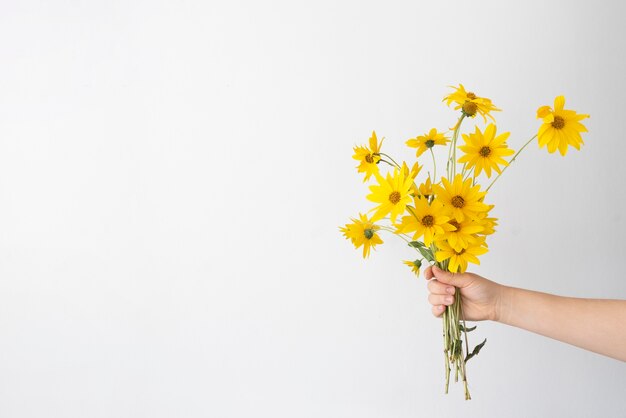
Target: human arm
x=598, y=325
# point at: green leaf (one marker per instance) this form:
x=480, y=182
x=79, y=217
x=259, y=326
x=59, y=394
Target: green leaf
x=416, y=244
x=468, y=329
x=428, y=255
x=475, y=351
x=458, y=348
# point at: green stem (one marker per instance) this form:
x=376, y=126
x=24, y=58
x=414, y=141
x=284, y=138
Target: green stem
x=434, y=164
x=402, y=236
x=510, y=162
x=413, y=213
x=452, y=149
x=446, y=345
x=385, y=161
x=462, y=359
x=445, y=351
x=388, y=156
x=446, y=321
x=454, y=354
x=463, y=171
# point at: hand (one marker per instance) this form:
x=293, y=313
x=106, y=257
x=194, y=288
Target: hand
x=481, y=297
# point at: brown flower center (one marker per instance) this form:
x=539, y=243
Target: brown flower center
x=459, y=252
x=455, y=224
x=394, y=197
x=470, y=108
x=429, y=143
x=368, y=233
x=471, y=95
x=458, y=201
x=369, y=158
x=558, y=122
x=485, y=151
x=428, y=221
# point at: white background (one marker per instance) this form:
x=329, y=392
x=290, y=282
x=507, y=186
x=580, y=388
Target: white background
x=173, y=175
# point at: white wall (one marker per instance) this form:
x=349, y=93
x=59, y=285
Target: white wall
x=172, y=176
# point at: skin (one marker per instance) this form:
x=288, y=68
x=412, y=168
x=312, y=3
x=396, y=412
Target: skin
x=597, y=325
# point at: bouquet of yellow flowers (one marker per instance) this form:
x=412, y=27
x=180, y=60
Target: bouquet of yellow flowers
x=446, y=219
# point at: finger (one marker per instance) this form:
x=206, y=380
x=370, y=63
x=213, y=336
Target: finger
x=440, y=299
x=428, y=273
x=436, y=287
x=456, y=279
x=438, y=310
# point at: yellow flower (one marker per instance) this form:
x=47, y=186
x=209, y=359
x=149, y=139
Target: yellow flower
x=426, y=189
x=487, y=223
x=470, y=104
x=391, y=194
x=362, y=232
x=427, y=141
x=415, y=266
x=461, y=198
x=463, y=233
x=459, y=259
x=368, y=157
x=426, y=219
x=413, y=172
x=560, y=128
x=484, y=151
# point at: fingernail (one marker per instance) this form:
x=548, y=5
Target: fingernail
x=448, y=299
x=450, y=290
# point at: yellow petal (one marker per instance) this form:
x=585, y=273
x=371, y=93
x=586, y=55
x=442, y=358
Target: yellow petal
x=559, y=103
x=543, y=111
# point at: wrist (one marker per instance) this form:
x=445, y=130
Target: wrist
x=502, y=303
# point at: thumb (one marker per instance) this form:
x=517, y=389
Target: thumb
x=454, y=279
